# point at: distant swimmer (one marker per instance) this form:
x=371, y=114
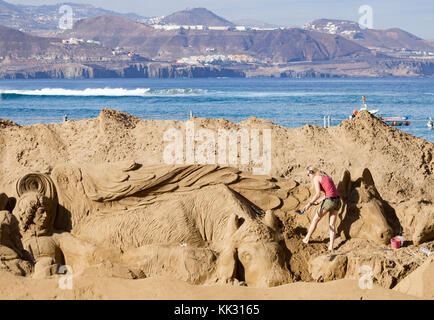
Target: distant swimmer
x=331, y=202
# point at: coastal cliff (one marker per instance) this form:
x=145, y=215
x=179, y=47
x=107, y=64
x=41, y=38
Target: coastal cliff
x=385, y=68
x=136, y=70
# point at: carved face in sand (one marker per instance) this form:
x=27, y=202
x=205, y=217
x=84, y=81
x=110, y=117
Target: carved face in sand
x=260, y=256
x=364, y=215
x=262, y=264
x=33, y=212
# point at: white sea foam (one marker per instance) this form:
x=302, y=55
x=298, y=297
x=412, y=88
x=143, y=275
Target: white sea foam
x=102, y=92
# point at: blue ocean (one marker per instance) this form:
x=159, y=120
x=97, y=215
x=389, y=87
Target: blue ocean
x=288, y=102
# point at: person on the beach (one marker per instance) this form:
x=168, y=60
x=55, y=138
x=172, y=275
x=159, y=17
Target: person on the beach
x=330, y=203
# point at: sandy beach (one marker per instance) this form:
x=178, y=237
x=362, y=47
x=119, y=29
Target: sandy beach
x=108, y=190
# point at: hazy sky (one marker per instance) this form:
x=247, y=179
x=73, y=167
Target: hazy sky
x=416, y=16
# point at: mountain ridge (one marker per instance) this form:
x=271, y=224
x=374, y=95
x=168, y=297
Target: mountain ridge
x=253, y=23
x=112, y=45
x=46, y=17
x=279, y=45
x=196, y=16
x=390, y=39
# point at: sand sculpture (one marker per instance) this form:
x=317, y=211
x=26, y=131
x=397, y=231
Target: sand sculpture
x=44, y=247
x=196, y=223
x=363, y=213
x=12, y=256
x=174, y=216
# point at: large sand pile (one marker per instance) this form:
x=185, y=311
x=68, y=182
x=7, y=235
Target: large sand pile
x=90, y=287
x=401, y=165
x=419, y=282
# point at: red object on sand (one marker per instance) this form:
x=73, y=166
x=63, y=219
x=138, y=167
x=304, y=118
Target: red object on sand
x=395, y=242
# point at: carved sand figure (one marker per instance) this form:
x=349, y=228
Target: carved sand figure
x=11, y=252
x=116, y=209
x=167, y=207
x=363, y=215
x=44, y=247
x=196, y=223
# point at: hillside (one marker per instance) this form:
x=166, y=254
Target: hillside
x=280, y=46
x=196, y=16
x=253, y=23
x=46, y=17
x=392, y=39
x=7, y=8
x=113, y=31
x=19, y=46
x=27, y=56
x=24, y=56
x=110, y=45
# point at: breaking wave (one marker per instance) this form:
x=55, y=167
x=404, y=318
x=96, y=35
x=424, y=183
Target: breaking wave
x=100, y=92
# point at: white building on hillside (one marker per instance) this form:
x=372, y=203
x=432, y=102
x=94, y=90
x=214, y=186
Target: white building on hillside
x=202, y=27
x=219, y=28
x=166, y=27
x=241, y=28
